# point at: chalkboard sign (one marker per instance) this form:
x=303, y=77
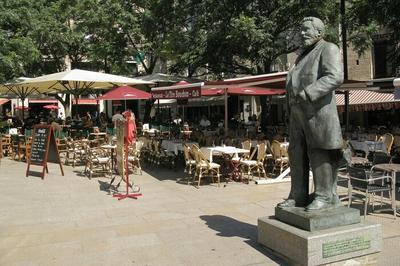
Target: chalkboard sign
x=44, y=148
x=39, y=145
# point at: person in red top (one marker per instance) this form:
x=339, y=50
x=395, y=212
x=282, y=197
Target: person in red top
x=130, y=134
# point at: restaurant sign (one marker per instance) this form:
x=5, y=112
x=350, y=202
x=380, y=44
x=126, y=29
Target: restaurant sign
x=184, y=93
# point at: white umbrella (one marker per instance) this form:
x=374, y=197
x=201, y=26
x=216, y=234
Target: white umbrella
x=77, y=81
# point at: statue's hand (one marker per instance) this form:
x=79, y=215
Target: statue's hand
x=302, y=97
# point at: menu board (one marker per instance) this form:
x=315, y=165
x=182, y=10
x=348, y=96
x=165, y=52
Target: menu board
x=44, y=148
x=40, y=145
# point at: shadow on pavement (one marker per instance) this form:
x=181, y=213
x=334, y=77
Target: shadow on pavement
x=229, y=227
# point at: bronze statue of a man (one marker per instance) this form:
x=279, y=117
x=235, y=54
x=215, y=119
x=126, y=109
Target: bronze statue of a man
x=314, y=129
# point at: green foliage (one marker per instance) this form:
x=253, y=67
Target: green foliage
x=244, y=36
x=366, y=18
x=213, y=37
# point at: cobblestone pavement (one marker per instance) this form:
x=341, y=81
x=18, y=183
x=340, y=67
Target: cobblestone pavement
x=71, y=220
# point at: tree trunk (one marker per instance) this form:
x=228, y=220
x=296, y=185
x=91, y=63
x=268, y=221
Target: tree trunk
x=66, y=103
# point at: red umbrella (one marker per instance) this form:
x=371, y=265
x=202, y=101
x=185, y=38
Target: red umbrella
x=125, y=93
x=51, y=107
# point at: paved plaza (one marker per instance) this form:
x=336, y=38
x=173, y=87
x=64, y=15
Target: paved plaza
x=71, y=220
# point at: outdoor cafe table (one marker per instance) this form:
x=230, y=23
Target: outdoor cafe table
x=393, y=168
x=175, y=145
x=111, y=148
x=230, y=155
x=367, y=146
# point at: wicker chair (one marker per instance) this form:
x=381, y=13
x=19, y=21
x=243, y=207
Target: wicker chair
x=280, y=156
x=98, y=160
x=249, y=166
x=204, y=167
x=189, y=161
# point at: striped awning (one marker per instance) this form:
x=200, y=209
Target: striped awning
x=364, y=100
x=43, y=101
x=86, y=101
x=3, y=101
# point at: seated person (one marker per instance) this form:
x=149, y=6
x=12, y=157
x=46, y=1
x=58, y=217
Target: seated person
x=204, y=122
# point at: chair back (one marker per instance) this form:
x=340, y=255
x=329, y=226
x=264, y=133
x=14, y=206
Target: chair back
x=186, y=153
x=276, y=149
x=381, y=157
x=261, y=151
x=387, y=140
x=246, y=145
x=358, y=177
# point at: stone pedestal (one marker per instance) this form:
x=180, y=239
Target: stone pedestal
x=300, y=247
x=312, y=221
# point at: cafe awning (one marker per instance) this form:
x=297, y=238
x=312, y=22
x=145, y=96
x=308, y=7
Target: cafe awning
x=85, y=102
x=194, y=90
x=385, y=84
x=365, y=100
x=47, y=101
x=243, y=91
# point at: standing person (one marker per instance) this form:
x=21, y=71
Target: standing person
x=315, y=133
x=117, y=116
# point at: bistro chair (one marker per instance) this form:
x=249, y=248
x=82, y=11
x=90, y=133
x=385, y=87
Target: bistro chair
x=246, y=145
x=387, y=140
x=162, y=156
x=366, y=184
x=18, y=147
x=98, y=160
x=189, y=160
x=5, y=145
x=252, y=165
x=280, y=156
x=78, y=151
x=134, y=156
x=204, y=167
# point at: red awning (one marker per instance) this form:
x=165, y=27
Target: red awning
x=3, y=101
x=42, y=101
x=364, y=100
x=125, y=93
x=181, y=90
x=85, y=102
x=268, y=81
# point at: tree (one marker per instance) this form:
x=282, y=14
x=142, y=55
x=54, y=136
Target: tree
x=366, y=18
x=240, y=37
x=17, y=49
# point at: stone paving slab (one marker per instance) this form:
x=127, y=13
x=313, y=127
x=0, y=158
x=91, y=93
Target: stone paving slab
x=71, y=220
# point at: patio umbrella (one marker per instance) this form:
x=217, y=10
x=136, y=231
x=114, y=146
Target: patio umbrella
x=125, y=93
x=51, y=107
x=77, y=82
x=11, y=89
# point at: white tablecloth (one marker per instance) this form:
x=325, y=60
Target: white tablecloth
x=175, y=145
x=219, y=150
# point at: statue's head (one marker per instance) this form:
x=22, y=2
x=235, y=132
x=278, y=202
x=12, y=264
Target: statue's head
x=312, y=30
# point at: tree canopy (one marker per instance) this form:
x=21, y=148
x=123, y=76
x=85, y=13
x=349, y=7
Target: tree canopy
x=195, y=37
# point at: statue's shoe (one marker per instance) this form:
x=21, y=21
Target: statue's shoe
x=319, y=205
x=290, y=203
x=287, y=203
